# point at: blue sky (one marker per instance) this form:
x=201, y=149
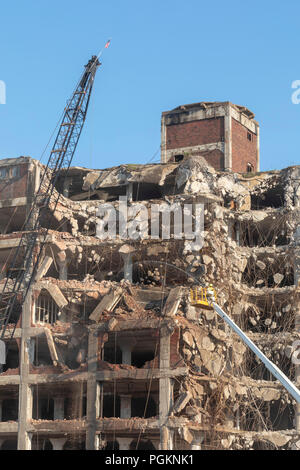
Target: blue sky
x=162, y=54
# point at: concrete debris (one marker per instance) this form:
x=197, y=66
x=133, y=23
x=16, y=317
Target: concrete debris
x=188, y=339
x=107, y=303
x=57, y=295
x=173, y=302
x=111, y=342
x=45, y=265
x=181, y=402
x=278, y=278
x=186, y=435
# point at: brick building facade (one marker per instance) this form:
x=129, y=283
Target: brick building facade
x=226, y=135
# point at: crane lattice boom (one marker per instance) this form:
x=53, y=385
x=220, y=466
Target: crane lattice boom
x=37, y=224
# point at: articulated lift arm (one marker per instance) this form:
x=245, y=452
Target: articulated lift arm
x=283, y=379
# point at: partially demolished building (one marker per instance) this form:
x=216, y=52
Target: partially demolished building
x=110, y=354
x=226, y=134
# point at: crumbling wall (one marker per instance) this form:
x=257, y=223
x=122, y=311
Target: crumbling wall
x=221, y=396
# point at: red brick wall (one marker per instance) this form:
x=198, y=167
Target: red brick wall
x=192, y=133
x=175, y=358
x=11, y=188
x=215, y=158
x=244, y=151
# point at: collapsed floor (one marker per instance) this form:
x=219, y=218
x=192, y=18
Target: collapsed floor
x=110, y=354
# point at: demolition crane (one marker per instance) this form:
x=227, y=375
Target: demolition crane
x=37, y=224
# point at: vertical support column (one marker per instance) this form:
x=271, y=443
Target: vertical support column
x=31, y=350
x=129, y=192
x=98, y=412
x=126, y=251
x=165, y=389
x=228, y=138
x=57, y=443
x=127, y=258
x=66, y=186
x=59, y=408
x=124, y=442
x=95, y=346
x=297, y=316
x=237, y=418
x=25, y=391
x=125, y=408
x=126, y=354
x=63, y=265
x=126, y=349
x=196, y=443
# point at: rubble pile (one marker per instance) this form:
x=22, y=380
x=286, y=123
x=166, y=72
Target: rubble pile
x=117, y=351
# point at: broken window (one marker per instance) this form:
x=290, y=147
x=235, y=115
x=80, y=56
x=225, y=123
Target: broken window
x=111, y=445
x=10, y=444
x=75, y=406
x=40, y=443
x=269, y=314
x=250, y=168
x=12, y=356
x=256, y=415
x=111, y=406
x=145, y=191
x=9, y=172
x=251, y=418
x=254, y=367
x=143, y=348
x=149, y=273
x=40, y=352
x=281, y=415
x=12, y=220
x=273, y=198
x=10, y=410
x=4, y=172
x=43, y=407
x=108, y=194
x=74, y=444
x=112, y=354
x=229, y=202
x=278, y=273
x=268, y=232
x=15, y=171
x=142, y=445
x=143, y=407
x=15, y=314
x=46, y=310
x=140, y=358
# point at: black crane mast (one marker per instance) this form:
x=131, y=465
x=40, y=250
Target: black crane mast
x=45, y=200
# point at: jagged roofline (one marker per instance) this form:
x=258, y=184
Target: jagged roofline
x=207, y=104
